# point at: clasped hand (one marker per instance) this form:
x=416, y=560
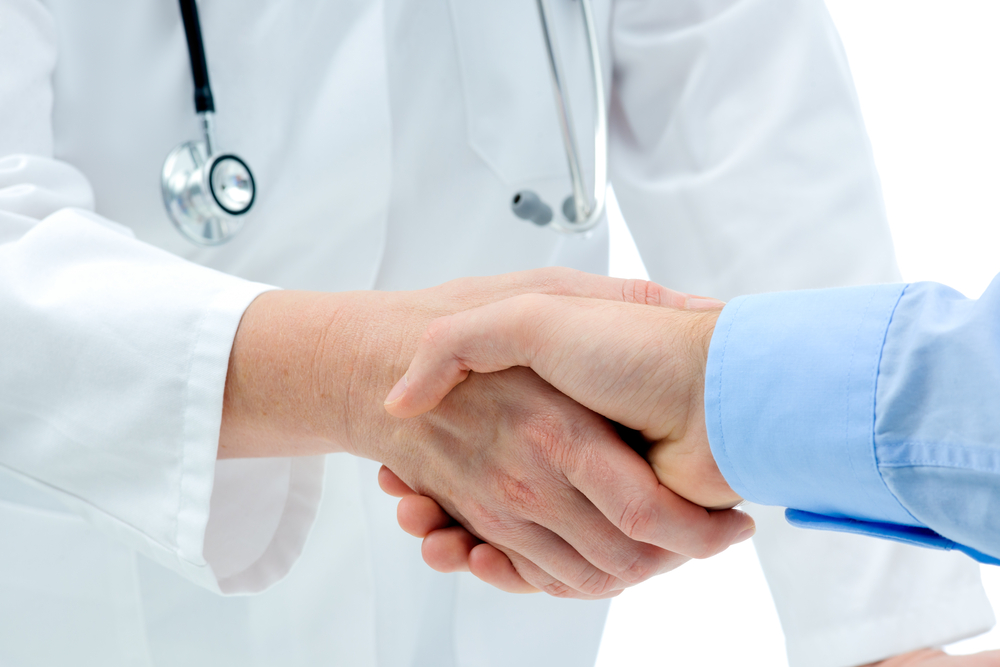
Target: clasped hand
x=641, y=366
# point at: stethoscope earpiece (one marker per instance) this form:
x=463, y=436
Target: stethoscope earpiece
x=529, y=206
x=569, y=208
x=580, y=212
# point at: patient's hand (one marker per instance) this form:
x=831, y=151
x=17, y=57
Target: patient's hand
x=640, y=366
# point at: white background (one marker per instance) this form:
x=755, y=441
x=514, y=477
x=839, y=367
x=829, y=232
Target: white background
x=928, y=75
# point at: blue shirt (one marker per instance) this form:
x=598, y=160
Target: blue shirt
x=870, y=410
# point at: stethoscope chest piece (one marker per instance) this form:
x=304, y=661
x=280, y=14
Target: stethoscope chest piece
x=206, y=196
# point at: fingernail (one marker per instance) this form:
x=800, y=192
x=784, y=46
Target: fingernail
x=704, y=303
x=397, y=391
x=746, y=534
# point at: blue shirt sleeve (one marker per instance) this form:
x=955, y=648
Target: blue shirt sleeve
x=871, y=410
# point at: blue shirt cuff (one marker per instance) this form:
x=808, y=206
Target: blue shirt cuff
x=790, y=400
x=921, y=537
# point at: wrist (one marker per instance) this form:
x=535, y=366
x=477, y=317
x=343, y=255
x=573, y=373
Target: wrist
x=291, y=373
x=702, y=330
x=383, y=337
x=685, y=463
x=718, y=493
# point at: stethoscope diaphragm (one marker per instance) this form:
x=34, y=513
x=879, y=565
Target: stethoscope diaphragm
x=206, y=196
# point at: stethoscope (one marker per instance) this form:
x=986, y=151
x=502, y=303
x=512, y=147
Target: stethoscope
x=207, y=193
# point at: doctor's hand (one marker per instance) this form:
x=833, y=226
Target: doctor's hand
x=642, y=367
x=514, y=461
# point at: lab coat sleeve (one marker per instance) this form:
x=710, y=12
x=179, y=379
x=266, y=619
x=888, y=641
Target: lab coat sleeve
x=738, y=152
x=867, y=409
x=113, y=360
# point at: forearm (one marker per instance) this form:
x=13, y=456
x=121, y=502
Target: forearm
x=307, y=367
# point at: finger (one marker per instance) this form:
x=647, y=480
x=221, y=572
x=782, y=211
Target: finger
x=494, y=568
x=393, y=485
x=564, y=572
x=703, y=303
x=454, y=549
x=560, y=281
x=457, y=550
x=603, y=545
x=420, y=515
x=627, y=290
x=447, y=550
x=542, y=581
x=625, y=489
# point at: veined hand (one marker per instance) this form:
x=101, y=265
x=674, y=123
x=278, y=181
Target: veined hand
x=641, y=366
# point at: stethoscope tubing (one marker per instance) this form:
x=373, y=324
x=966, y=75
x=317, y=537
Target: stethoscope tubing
x=588, y=213
x=203, y=100
x=184, y=181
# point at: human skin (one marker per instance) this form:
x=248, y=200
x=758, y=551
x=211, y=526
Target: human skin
x=516, y=462
x=641, y=367
x=644, y=367
x=930, y=657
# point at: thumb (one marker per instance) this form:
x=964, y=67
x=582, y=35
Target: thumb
x=487, y=339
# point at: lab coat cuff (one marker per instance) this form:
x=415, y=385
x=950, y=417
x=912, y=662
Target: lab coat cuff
x=790, y=400
x=202, y=420
x=262, y=513
x=247, y=520
x=203, y=411
x=241, y=524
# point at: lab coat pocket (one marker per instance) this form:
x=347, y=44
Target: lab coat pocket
x=511, y=120
x=68, y=595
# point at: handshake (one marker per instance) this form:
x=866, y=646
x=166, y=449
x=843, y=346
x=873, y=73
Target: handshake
x=592, y=471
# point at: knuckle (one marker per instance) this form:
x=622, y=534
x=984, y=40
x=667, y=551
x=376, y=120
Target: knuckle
x=707, y=547
x=437, y=333
x=518, y=495
x=559, y=280
x=487, y=521
x=598, y=583
x=557, y=589
x=642, y=567
x=548, y=438
x=639, y=520
x=702, y=549
x=642, y=292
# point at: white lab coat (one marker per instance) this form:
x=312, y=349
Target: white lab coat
x=387, y=137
